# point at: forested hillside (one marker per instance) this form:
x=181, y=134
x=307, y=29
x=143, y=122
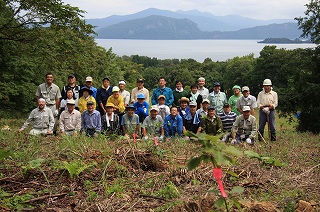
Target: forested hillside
x=29, y=48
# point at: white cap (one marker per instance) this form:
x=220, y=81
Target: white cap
x=115, y=89
x=192, y=103
x=88, y=79
x=202, y=78
x=154, y=107
x=71, y=102
x=246, y=108
x=122, y=82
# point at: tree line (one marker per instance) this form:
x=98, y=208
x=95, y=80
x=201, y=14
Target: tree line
x=38, y=37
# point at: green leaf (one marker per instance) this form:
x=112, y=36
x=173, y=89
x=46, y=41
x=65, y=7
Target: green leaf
x=35, y=163
x=214, y=191
x=4, y=153
x=233, y=150
x=237, y=190
x=277, y=163
x=231, y=173
x=193, y=163
x=220, y=202
x=251, y=154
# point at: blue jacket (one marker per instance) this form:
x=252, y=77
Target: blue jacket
x=167, y=92
x=141, y=110
x=172, y=126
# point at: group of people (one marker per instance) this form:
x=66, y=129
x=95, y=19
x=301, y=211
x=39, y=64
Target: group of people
x=112, y=110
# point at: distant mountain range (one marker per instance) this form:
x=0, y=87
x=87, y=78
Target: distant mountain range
x=163, y=24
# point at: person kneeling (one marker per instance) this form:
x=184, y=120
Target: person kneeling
x=244, y=128
x=110, y=121
x=130, y=122
x=153, y=125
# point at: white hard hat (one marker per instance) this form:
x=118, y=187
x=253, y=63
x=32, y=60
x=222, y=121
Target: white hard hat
x=267, y=82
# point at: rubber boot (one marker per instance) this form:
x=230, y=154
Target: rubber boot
x=273, y=137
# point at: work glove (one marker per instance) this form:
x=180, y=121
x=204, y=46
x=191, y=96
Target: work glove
x=224, y=139
x=233, y=141
x=242, y=136
x=56, y=112
x=266, y=110
x=186, y=138
x=160, y=138
x=145, y=138
x=249, y=141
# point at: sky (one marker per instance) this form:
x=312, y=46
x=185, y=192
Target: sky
x=255, y=9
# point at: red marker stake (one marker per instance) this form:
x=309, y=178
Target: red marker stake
x=217, y=173
x=134, y=138
x=155, y=141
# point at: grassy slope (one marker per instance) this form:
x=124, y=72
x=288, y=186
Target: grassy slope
x=122, y=176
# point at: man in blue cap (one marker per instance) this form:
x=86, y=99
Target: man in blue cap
x=142, y=107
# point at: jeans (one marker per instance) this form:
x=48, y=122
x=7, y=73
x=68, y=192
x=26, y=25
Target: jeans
x=263, y=120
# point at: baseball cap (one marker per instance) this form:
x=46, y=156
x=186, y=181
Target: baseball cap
x=236, y=87
x=88, y=79
x=154, y=107
x=245, y=88
x=141, y=96
x=211, y=108
x=246, y=108
x=71, y=102
x=140, y=80
x=201, y=78
x=106, y=78
x=193, y=103
x=90, y=103
x=216, y=84
x=71, y=76
x=206, y=100
x=115, y=89
x=161, y=96
x=226, y=105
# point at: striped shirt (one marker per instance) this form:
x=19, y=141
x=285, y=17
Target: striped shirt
x=227, y=120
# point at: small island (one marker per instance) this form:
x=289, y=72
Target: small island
x=284, y=41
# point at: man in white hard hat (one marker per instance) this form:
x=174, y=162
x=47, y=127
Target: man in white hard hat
x=267, y=102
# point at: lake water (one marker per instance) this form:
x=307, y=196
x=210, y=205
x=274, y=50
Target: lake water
x=217, y=50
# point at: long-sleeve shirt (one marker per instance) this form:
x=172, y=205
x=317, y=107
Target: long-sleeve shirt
x=172, y=125
x=245, y=127
x=250, y=101
x=204, y=92
x=126, y=96
x=82, y=103
x=141, y=110
x=40, y=119
x=167, y=92
x=135, y=93
x=211, y=126
x=178, y=95
x=70, y=121
x=267, y=99
x=153, y=126
x=102, y=96
x=217, y=100
x=91, y=121
x=118, y=102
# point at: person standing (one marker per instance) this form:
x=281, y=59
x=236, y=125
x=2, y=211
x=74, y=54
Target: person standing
x=203, y=91
x=267, y=102
x=52, y=95
x=124, y=93
x=41, y=118
x=217, y=98
x=246, y=100
x=90, y=87
x=71, y=85
x=162, y=90
x=70, y=119
x=86, y=96
x=244, y=128
x=234, y=98
x=91, y=121
x=194, y=95
x=139, y=89
x=178, y=93
x=103, y=93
